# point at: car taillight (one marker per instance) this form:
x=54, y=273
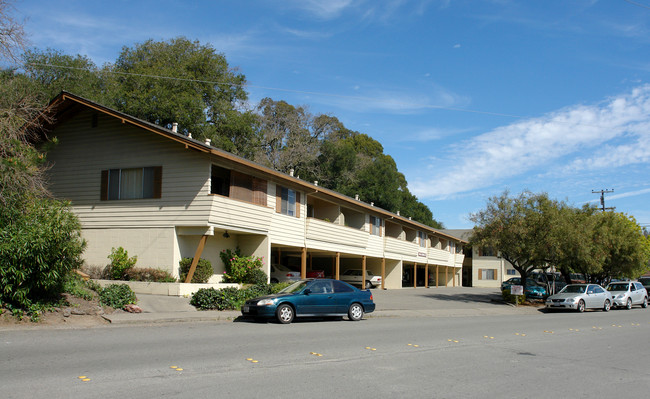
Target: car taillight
x=371, y=297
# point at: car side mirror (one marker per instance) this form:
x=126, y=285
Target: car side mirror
x=307, y=291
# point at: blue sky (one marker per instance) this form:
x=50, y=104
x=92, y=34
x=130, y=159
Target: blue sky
x=470, y=97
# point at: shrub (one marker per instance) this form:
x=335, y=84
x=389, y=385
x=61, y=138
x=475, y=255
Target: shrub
x=149, y=274
x=242, y=269
x=202, y=273
x=76, y=286
x=227, y=255
x=256, y=276
x=40, y=242
x=222, y=299
x=120, y=263
x=117, y=296
x=230, y=297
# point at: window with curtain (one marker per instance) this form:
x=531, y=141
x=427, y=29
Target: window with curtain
x=131, y=183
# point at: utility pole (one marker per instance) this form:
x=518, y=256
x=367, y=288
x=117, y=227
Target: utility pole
x=602, y=199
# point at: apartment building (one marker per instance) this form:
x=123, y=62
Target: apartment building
x=164, y=196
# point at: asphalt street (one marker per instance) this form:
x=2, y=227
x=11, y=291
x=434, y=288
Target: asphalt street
x=531, y=355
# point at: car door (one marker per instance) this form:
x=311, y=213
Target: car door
x=593, y=299
x=320, y=299
x=635, y=294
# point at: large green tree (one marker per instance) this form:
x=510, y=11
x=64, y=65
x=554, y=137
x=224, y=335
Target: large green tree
x=626, y=249
x=520, y=228
x=39, y=237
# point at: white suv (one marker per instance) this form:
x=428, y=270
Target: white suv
x=628, y=293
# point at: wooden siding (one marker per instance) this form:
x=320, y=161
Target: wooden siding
x=83, y=152
x=333, y=237
x=240, y=214
x=401, y=247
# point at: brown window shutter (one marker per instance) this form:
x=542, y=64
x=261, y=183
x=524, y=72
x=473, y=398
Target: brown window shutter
x=157, y=182
x=103, y=194
x=297, y=204
x=278, y=198
x=480, y=274
x=259, y=191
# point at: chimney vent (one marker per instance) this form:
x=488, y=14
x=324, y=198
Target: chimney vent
x=291, y=172
x=189, y=135
x=372, y=204
x=208, y=141
x=315, y=182
x=356, y=197
x=397, y=213
x=175, y=127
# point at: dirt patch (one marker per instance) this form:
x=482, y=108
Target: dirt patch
x=79, y=313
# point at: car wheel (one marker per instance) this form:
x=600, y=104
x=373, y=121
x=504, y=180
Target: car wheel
x=628, y=304
x=581, y=306
x=644, y=304
x=368, y=285
x=607, y=306
x=355, y=313
x=274, y=281
x=284, y=314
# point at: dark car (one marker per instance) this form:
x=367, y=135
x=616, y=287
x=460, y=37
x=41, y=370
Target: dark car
x=312, y=298
x=533, y=290
x=646, y=283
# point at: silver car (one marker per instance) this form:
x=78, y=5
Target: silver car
x=580, y=297
x=628, y=293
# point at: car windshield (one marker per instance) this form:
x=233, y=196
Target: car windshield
x=282, y=268
x=574, y=289
x=295, y=287
x=617, y=287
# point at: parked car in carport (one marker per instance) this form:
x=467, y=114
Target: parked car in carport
x=354, y=277
x=628, y=293
x=281, y=273
x=312, y=298
x=580, y=297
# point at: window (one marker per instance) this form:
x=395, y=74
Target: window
x=422, y=237
x=220, y=181
x=486, y=251
x=511, y=272
x=340, y=286
x=131, y=183
x=287, y=201
x=375, y=226
x=230, y=183
x=487, y=274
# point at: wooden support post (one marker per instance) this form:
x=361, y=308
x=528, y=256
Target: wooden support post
x=446, y=276
x=426, y=276
x=363, y=272
x=195, y=261
x=454, y=277
x=338, y=266
x=383, y=273
x=303, y=263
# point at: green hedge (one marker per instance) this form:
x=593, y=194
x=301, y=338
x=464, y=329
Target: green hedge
x=202, y=273
x=117, y=296
x=231, y=298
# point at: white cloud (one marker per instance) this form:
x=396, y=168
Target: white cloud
x=614, y=133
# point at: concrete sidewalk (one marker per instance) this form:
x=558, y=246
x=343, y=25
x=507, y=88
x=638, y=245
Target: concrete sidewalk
x=406, y=302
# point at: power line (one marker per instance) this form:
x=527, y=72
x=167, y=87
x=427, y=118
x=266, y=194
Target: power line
x=637, y=4
x=242, y=85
